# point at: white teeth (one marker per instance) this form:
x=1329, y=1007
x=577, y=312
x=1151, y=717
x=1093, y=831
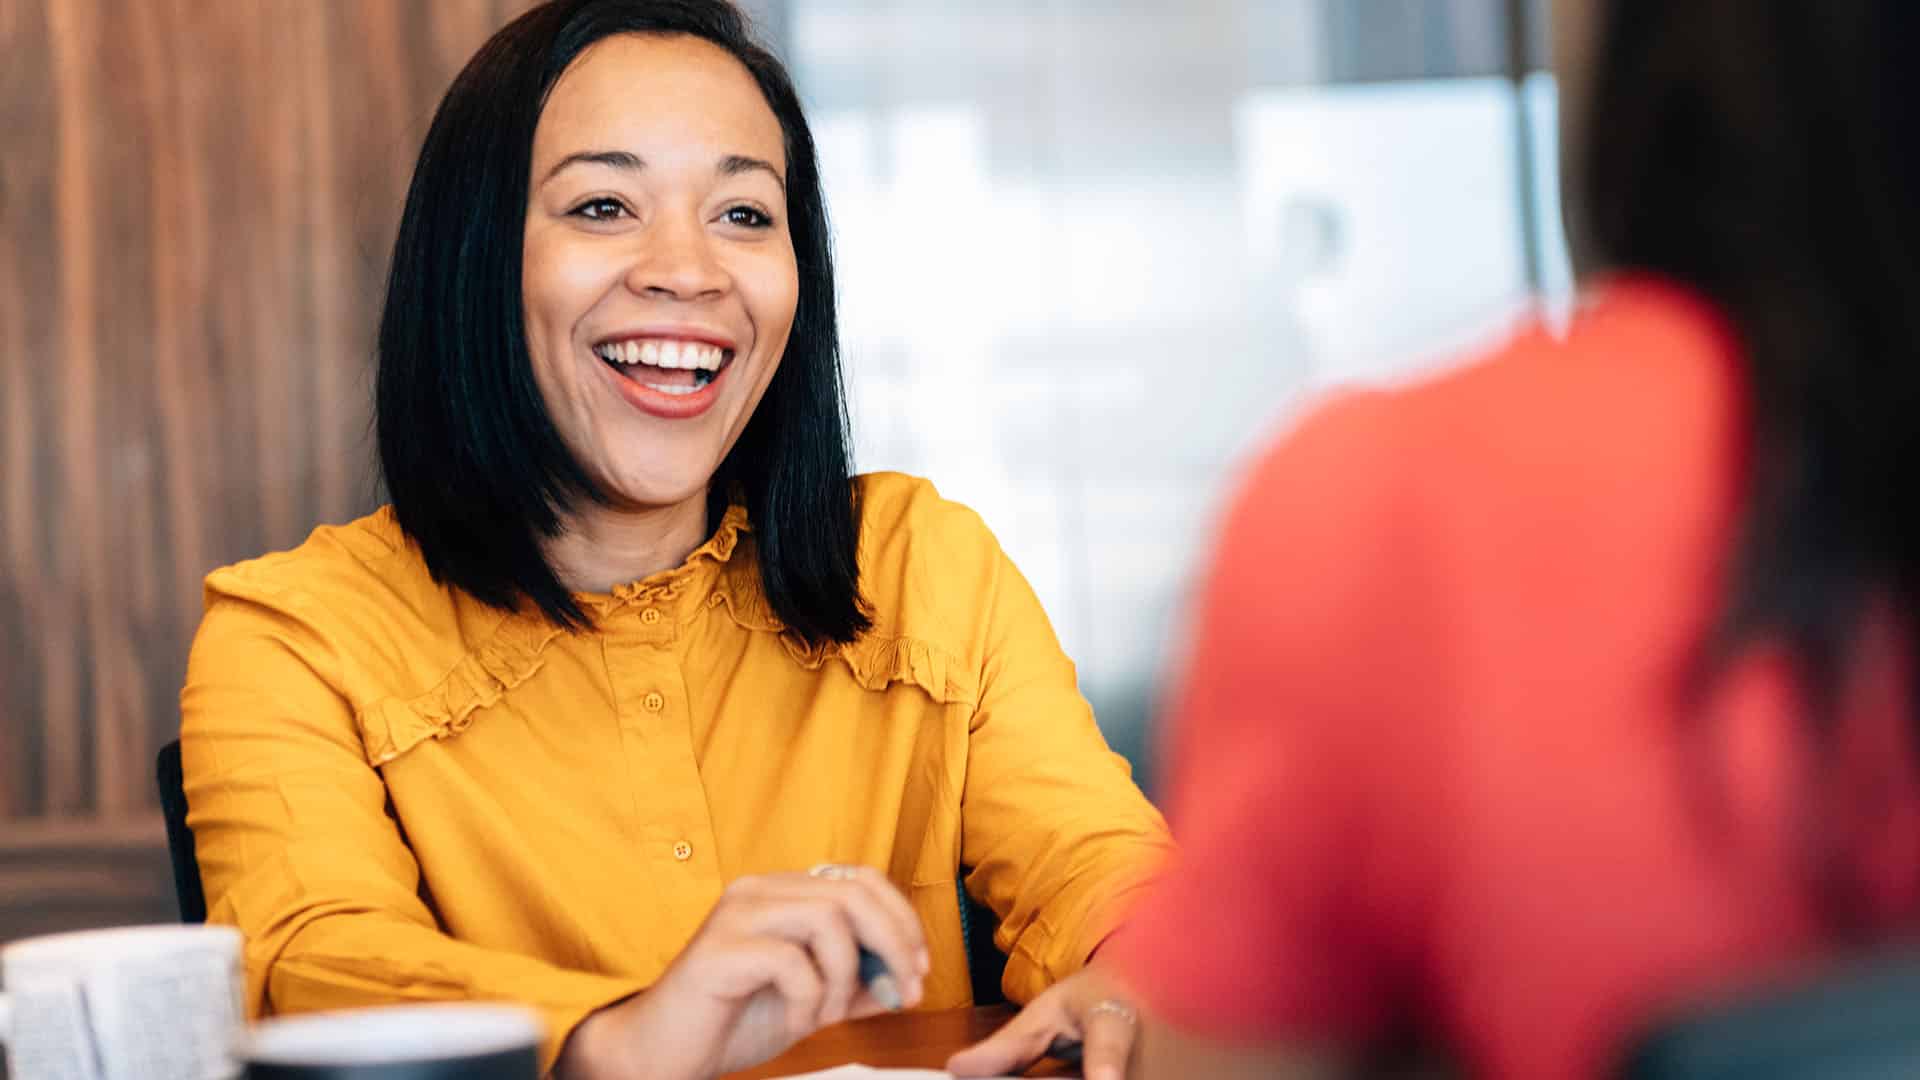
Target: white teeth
x=675, y=391
x=689, y=355
x=699, y=355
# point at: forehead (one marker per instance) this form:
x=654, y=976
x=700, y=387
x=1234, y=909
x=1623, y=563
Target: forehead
x=656, y=95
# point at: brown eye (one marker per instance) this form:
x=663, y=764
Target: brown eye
x=747, y=217
x=599, y=209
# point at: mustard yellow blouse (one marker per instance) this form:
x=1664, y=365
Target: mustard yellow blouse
x=399, y=794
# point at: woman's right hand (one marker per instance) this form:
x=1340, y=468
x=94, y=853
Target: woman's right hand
x=777, y=959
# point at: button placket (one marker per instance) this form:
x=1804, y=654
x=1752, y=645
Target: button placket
x=675, y=860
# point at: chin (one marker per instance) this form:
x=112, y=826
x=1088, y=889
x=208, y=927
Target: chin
x=654, y=491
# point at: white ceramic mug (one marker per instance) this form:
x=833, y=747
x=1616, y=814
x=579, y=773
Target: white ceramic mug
x=450, y=1041
x=130, y=1003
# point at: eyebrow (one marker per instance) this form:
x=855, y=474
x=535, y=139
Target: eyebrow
x=731, y=165
x=618, y=159
x=736, y=164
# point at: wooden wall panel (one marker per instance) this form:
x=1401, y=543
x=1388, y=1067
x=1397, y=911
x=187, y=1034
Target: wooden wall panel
x=57, y=876
x=196, y=203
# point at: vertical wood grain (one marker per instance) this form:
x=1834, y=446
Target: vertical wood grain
x=81, y=557
x=197, y=198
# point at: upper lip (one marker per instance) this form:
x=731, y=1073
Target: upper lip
x=669, y=333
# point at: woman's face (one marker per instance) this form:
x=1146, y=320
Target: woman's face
x=659, y=279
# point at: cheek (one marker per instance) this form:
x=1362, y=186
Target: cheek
x=559, y=284
x=772, y=293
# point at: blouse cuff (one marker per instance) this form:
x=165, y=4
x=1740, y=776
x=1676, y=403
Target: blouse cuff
x=567, y=999
x=1044, y=956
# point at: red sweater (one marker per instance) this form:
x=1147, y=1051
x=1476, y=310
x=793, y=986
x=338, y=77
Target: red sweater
x=1434, y=761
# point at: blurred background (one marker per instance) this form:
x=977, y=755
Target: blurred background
x=1091, y=253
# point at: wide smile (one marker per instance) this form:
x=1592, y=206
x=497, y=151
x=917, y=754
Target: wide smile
x=674, y=378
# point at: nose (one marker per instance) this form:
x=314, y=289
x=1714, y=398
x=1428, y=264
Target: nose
x=677, y=261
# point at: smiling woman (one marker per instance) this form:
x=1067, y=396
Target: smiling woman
x=665, y=246
x=630, y=651
x=634, y=225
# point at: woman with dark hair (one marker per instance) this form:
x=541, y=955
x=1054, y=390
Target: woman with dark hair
x=1576, y=686
x=569, y=722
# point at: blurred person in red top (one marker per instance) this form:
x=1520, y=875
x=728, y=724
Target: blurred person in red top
x=1539, y=700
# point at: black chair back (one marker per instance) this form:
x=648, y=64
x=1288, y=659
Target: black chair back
x=1856, y=1022
x=985, y=962
x=173, y=807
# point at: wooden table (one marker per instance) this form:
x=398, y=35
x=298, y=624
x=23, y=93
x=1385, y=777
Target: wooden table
x=916, y=1040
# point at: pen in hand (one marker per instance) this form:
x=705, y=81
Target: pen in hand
x=880, y=983
x=878, y=980
x=1065, y=1048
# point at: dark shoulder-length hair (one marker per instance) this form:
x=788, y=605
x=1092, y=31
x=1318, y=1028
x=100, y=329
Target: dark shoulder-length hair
x=1765, y=153
x=476, y=470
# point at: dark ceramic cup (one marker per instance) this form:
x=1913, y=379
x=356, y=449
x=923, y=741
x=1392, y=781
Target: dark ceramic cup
x=398, y=1042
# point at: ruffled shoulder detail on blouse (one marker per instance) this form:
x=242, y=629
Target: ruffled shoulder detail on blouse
x=393, y=726
x=740, y=590
x=921, y=561
x=928, y=574
x=878, y=662
x=513, y=654
x=877, y=659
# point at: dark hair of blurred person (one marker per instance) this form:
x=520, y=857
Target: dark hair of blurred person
x=1540, y=700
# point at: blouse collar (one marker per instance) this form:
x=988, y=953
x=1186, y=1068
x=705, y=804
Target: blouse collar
x=706, y=564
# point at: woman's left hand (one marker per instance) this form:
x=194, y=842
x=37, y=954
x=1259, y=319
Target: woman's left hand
x=1090, y=1007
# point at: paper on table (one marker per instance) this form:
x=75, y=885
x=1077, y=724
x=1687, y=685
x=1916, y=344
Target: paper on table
x=861, y=1071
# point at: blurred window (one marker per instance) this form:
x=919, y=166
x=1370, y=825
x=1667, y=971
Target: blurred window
x=1094, y=251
